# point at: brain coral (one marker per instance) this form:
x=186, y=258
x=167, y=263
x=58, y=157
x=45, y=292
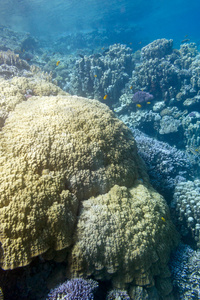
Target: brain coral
x=71, y=180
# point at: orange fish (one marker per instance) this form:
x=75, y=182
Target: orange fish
x=95, y=75
x=105, y=97
x=57, y=62
x=139, y=105
x=148, y=102
x=163, y=219
x=131, y=87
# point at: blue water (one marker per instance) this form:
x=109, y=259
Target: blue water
x=150, y=19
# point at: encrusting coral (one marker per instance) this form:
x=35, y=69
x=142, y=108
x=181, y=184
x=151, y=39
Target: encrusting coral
x=71, y=180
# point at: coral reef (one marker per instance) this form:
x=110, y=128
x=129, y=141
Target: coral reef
x=10, y=39
x=141, y=97
x=156, y=73
x=139, y=292
x=64, y=157
x=186, y=208
x=117, y=294
x=60, y=175
x=11, y=65
x=157, y=49
x=191, y=125
x=123, y=243
x=79, y=289
x=172, y=77
x=166, y=165
x=169, y=125
x=98, y=75
x=19, y=89
x=185, y=269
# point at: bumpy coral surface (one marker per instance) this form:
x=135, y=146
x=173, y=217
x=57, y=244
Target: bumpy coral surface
x=157, y=49
x=19, y=89
x=117, y=294
x=79, y=289
x=166, y=165
x=185, y=269
x=98, y=75
x=123, y=233
x=11, y=65
x=55, y=152
x=186, y=202
x=70, y=178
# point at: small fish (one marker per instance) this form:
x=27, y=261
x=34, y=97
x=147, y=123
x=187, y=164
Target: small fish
x=81, y=55
x=185, y=41
x=131, y=87
x=140, y=43
x=148, y=102
x=139, y=105
x=102, y=48
x=57, y=62
x=130, y=43
x=95, y=75
x=105, y=97
x=163, y=219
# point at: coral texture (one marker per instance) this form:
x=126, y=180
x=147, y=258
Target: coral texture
x=157, y=49
x=117, y=294
x=11, y=65
x=19, y=89
x=186, y=203
x=122, y=234
x=98, y=75
x=56, y=151
x=166, y=165
x=185, y=269
x=74, y=289
x=71, y=180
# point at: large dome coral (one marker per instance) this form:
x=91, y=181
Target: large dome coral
x=70, y=178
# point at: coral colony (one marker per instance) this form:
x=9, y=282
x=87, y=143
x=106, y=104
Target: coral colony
x=70, y=183
x=78, y=288
x=141, y=97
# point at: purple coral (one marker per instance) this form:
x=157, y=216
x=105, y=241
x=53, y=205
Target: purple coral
x=141, y=97
x=78, y=288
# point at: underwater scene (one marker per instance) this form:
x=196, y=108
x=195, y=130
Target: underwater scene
x=99, y=150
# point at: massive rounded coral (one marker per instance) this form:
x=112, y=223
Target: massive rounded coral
x=55, y=152
x=71, y=180
x=123, y=234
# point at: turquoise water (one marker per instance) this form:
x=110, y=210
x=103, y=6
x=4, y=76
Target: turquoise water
x=149, y=19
